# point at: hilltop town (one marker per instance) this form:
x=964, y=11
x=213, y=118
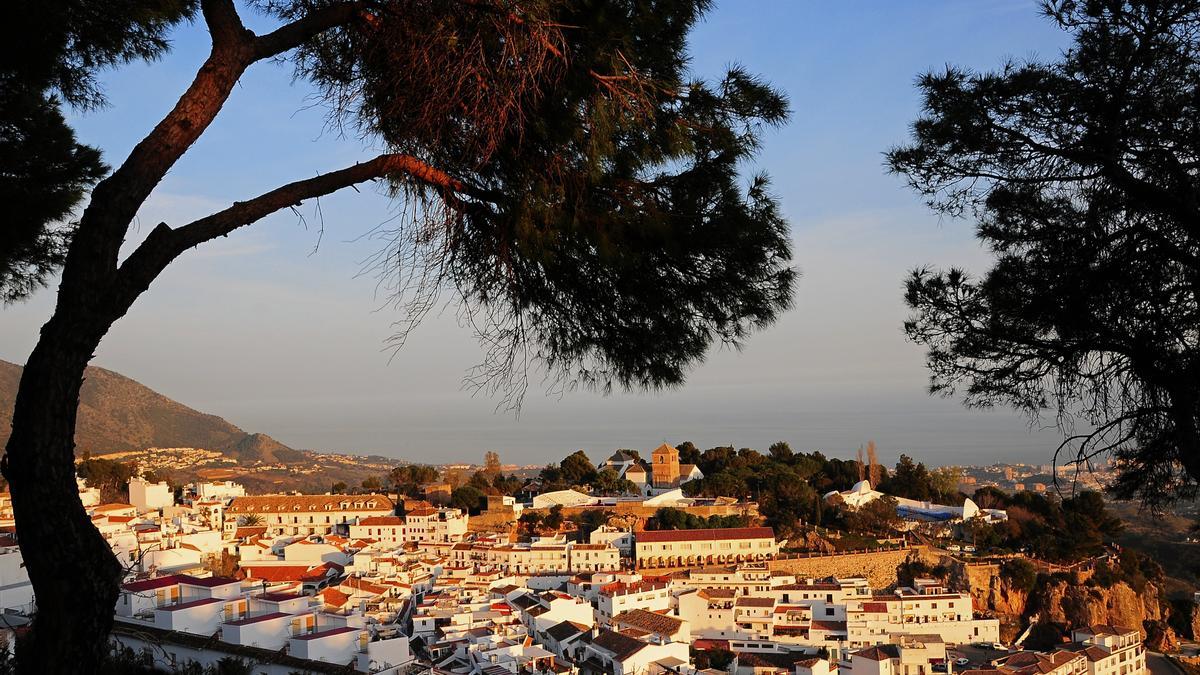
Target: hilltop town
x=624, y=566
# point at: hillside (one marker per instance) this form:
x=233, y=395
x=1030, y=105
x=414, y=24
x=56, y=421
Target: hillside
x=118, y=414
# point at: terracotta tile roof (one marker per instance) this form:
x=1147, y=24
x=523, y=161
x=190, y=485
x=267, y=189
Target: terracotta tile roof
x=749, y=601
x=620, y=646
x=206, y=582
x=275, y=572
x=244, y=532
x=334, y=597
x=382, y=520
x=256, y=619
x=652, y=622
x=152, y=584
x=322, y=571
x=112, y=507
x=326, y=633
x=716, y=534
x=1094, y=653
x=309, y=503
x=566, y=630
x=879, y=652
x=277, y=597
x=364, y=586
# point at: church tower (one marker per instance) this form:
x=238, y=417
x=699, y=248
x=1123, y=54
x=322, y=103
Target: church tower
x=665, y=465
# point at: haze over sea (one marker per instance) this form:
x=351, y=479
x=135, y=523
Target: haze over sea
x=278, y=335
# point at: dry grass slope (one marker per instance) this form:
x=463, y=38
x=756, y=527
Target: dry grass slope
x=118, y=414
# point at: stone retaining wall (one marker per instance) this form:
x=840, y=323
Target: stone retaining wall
x=879, y=567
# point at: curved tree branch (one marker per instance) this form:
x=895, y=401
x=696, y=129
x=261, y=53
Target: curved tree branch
x=164, y=243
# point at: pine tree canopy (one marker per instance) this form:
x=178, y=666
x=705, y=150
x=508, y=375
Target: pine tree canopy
x=602, y=227
x=46, y=173
x=1083, y=176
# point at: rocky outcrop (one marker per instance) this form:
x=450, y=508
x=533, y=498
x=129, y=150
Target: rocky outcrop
x=1073, y=605
x=1068, y=602
x=1161, y=638
x=990, y=591
x=815, y=542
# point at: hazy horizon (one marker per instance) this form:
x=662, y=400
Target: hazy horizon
x=280, y=336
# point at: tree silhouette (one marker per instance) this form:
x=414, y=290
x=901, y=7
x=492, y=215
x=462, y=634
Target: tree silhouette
x=560, y=173
x=1083, y=176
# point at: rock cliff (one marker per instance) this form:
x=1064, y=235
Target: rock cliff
x=1068, y=602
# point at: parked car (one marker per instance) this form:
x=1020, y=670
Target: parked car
x=939, y=667
x=998, y=647
x=953, y=547
x=962, y=661
x=969, y=549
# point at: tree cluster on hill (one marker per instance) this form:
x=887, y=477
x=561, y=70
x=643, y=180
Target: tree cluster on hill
x=912, y=480
x=532, y=522
x=787, y=485
x=576, y=471
x=108, y=476
x=408, y=478
x=1063, y=530
x=668, y=518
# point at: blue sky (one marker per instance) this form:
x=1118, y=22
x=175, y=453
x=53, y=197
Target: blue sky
x=281, y=336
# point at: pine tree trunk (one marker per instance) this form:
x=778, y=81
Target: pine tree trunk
x=74, y=573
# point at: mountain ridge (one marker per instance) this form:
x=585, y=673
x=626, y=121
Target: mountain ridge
x=117, y=414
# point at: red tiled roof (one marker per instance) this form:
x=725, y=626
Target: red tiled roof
x=382, y=520
x=256, y=619
x=716, y=534
x=333, y=596
x=206, y=582
x=327, y=633
x=322, y=571
x=277, y=597
x=152, y=584
x=275, y=572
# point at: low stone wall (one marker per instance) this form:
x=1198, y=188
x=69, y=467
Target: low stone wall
x=879, y=567
x=492, y=522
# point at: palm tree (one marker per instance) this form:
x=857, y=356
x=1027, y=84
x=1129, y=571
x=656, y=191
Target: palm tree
x=250, y=520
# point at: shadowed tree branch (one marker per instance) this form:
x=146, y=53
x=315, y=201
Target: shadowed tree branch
x=164, y=243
